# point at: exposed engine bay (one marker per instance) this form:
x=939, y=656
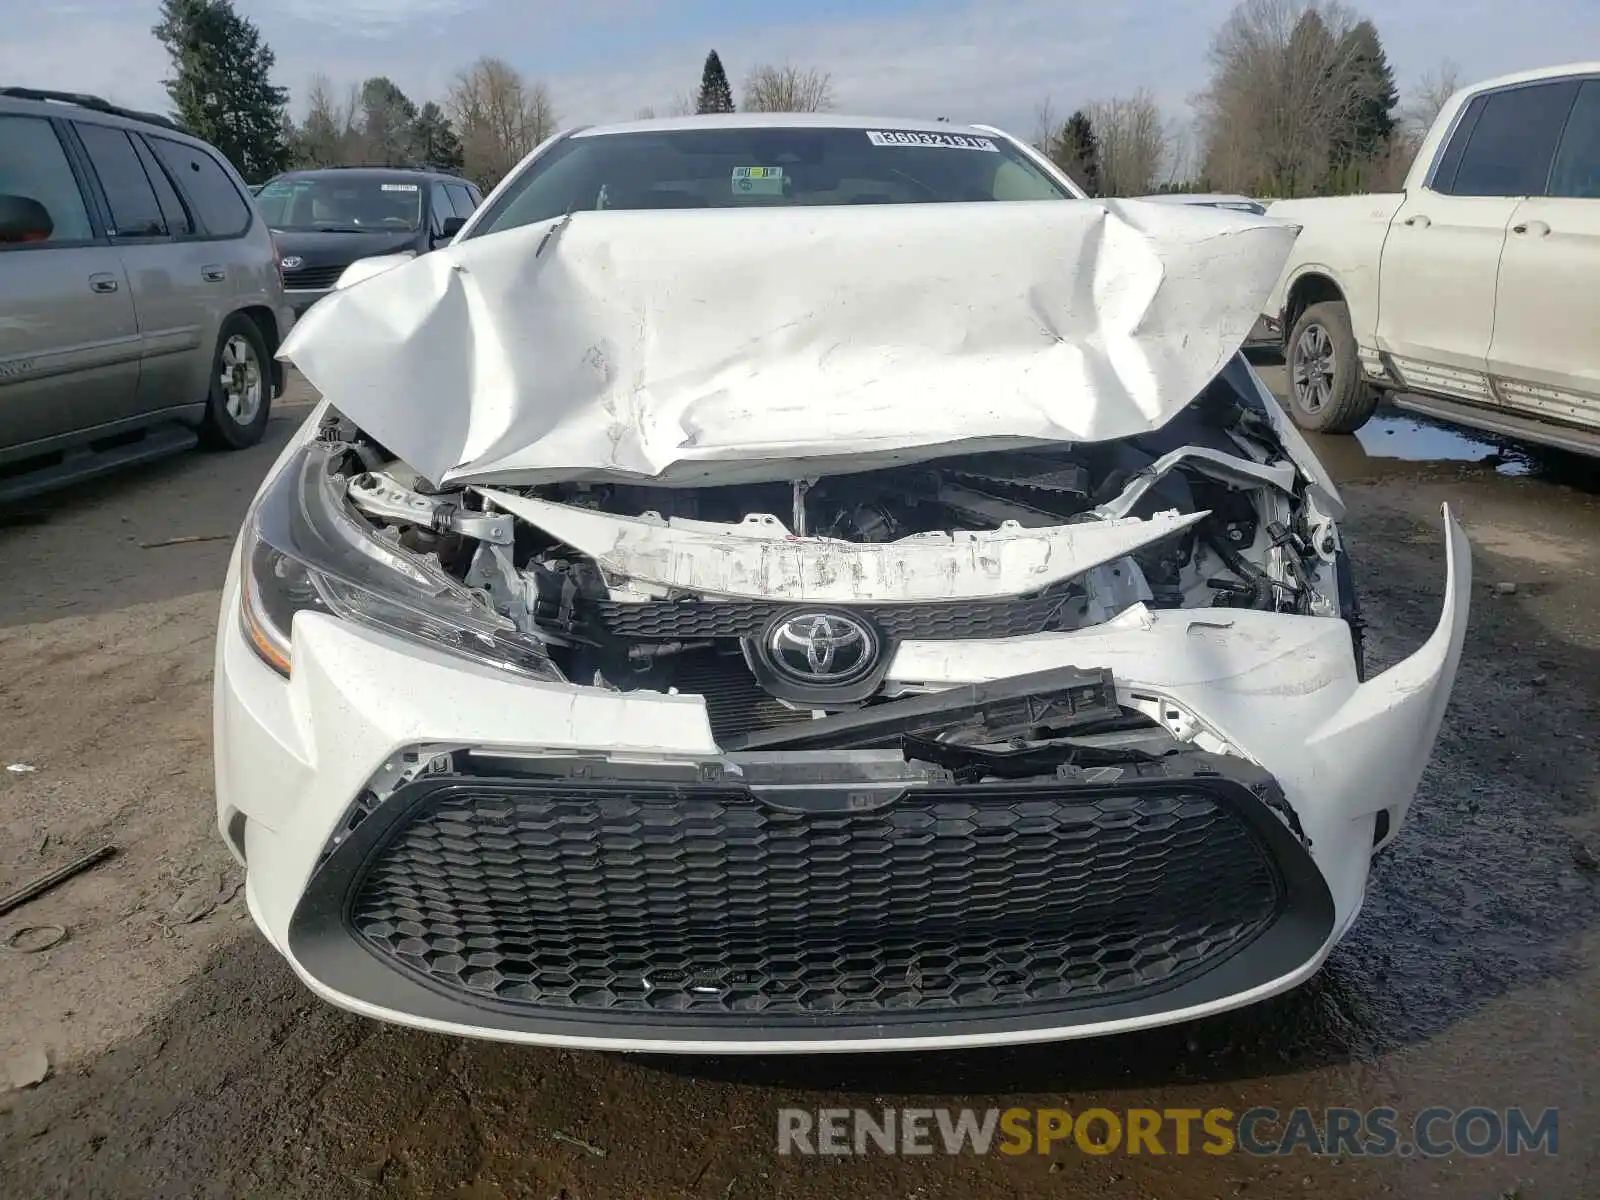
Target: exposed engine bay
x=1206, y=512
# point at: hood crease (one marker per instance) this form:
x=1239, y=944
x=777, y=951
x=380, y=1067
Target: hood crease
x=723, y=346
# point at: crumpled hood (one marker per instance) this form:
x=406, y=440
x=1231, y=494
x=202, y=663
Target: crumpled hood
x=723, y=345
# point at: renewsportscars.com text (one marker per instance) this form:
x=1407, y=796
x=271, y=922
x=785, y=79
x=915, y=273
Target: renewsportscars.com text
x=1350, y=1132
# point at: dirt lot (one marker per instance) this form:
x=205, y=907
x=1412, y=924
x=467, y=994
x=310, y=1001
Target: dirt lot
x=186, y=1061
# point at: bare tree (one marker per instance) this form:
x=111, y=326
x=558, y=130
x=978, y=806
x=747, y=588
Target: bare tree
x=681, y=105
x=1133, y=143
x=1046, y=125
x=787, y=88
x=1284, y=86
x=500, y=117
x=1428, y=101
x=330, y=135
x=317, y=141
x=1179, y=169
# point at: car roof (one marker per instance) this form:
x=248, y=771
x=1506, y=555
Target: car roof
x=369, y=173
x=80, y=106
x=1532, y=76
x=817, y=120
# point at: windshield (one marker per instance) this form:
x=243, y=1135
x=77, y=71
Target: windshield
x=360, y=205
x=764, y=167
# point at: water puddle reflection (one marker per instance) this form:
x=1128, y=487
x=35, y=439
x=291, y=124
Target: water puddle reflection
x=1412, y=439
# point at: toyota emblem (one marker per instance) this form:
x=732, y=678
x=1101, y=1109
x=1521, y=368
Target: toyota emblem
x=292, y=262
x=822, y=649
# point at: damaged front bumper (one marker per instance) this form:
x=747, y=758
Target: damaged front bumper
x=438, y=844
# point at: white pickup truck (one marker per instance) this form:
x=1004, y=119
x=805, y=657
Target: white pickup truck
x=1474, y=294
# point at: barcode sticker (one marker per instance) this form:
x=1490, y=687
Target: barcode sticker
x=938, y=141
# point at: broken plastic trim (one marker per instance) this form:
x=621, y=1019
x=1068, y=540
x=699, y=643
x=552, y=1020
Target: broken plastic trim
x=306, y=550
x=759, y=558
x=1231, y=469
x=1062, y=697
x=969, y=764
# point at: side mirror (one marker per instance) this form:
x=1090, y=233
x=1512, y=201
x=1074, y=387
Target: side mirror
x=23, y=219
x=448, y=230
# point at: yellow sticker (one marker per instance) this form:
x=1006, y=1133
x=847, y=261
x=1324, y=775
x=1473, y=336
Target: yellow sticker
x=758, y=181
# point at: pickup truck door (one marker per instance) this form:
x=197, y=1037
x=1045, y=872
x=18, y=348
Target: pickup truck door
x=1547, y=310
x=69, y=346
x=1441, y=259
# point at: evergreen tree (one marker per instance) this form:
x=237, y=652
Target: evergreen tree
x=1077, y=152
x=715, y=94
x=1369, y=83
x=221, y=86
x=387, y=117
x=434, y=141
x=293, y=151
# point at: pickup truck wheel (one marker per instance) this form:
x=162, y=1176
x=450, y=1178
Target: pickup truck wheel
x=1326, y=391
x=241, y=387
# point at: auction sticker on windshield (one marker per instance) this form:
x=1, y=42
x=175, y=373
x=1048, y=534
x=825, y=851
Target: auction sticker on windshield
x=939, y=141
x=399, y=187
x=758, y=181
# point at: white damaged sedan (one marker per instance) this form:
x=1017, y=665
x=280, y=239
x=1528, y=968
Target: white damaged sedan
x=797, y=583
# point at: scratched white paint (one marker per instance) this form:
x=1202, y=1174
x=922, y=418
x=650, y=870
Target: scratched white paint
x=760, y=558
x=725, y=345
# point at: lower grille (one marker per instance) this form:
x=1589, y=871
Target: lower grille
x=312, y=279
x=658, y=903
x=735, y=703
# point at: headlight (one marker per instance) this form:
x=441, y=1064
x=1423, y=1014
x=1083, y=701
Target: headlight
x=306, y=550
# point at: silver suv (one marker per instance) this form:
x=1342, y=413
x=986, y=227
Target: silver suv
x=141, y=300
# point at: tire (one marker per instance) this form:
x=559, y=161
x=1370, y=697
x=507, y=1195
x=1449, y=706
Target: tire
x=1326, y=391
x=240, y=399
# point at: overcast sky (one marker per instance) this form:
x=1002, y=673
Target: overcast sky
x=969, y=60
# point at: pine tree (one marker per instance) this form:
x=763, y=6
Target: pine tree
x=387, y=115
x=1370, y=83
x=434, y=141
x=292, y=150
x=221, y=87
x=715, y=94
x=1077, y=152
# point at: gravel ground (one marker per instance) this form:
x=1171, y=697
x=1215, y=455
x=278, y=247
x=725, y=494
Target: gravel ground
x=185, y=1059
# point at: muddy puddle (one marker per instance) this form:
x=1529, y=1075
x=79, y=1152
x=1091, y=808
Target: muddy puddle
x=1416, y=439
x=1394, y=444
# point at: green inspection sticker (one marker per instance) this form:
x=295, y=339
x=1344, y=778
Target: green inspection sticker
x=758, y=181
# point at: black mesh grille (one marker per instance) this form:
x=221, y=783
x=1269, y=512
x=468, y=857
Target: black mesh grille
x=650, y=900
x=671, y=621
x=312, y=279
x=735, y=702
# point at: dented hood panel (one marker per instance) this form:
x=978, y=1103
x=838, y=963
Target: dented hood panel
x=722, y=345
